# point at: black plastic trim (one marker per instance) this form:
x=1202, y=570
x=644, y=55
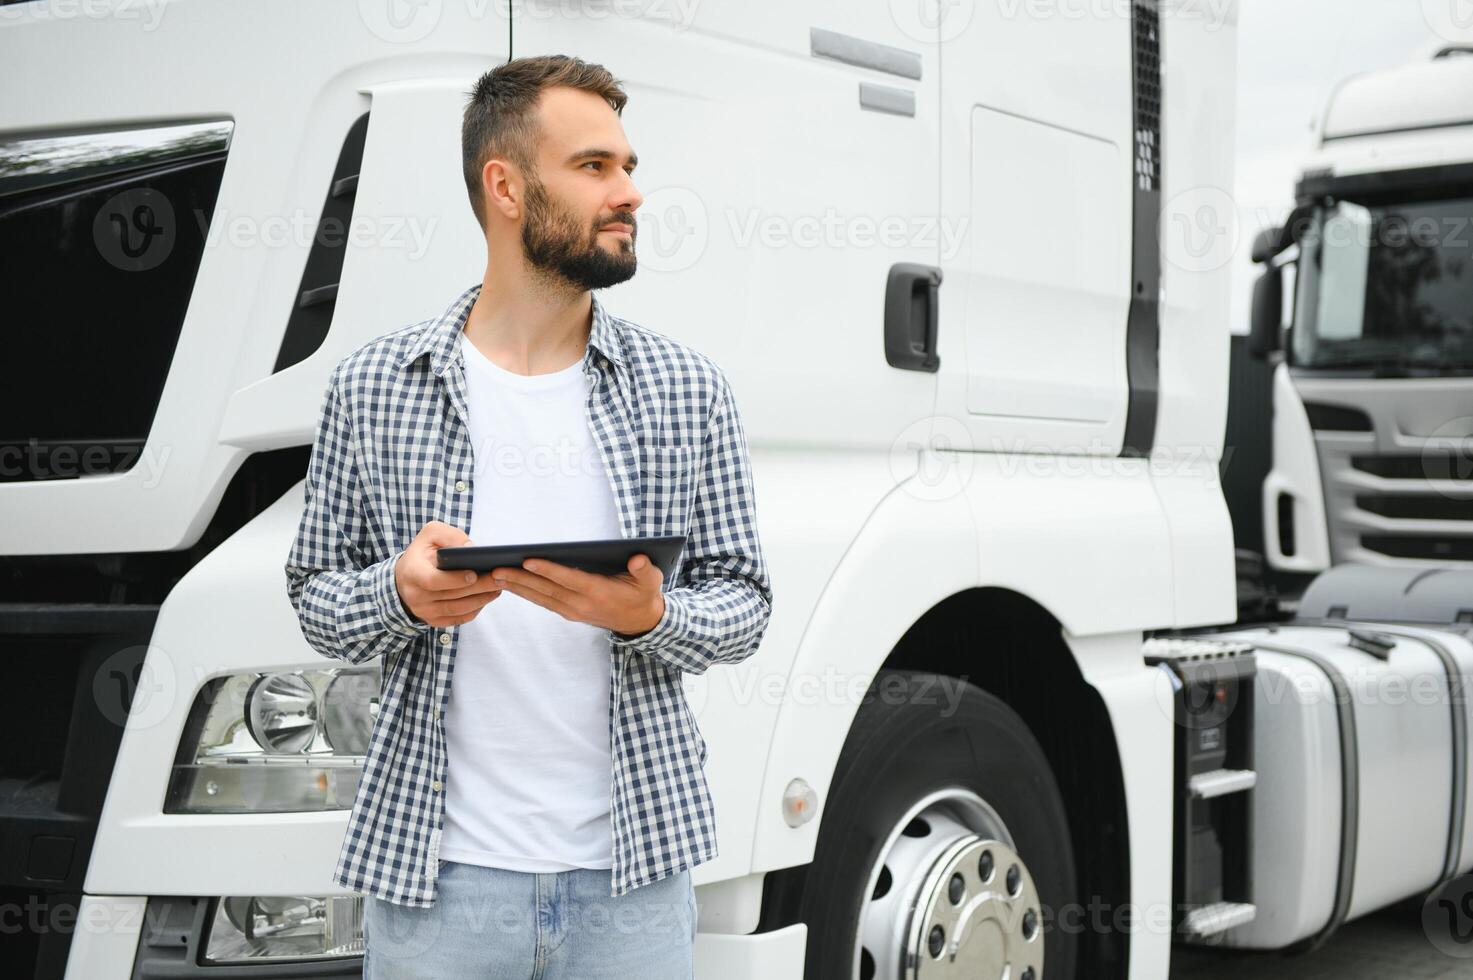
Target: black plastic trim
x=312, y=309
x=1454, y=176
x=1143, y=321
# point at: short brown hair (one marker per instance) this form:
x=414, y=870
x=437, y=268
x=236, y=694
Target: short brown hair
x=498, y=119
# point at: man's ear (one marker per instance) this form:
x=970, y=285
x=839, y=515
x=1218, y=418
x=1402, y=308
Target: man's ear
x=501, y=186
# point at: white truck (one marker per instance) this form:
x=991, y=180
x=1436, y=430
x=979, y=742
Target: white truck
x=988, y=701
x=1372, y=380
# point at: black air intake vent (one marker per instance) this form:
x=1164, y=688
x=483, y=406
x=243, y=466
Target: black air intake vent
x=1147, y=25
x=311, y=312
x=1324, y=417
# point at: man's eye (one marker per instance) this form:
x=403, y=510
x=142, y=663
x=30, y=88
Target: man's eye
x=593, y=163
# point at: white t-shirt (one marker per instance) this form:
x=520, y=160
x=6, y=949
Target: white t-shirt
x=529, y=772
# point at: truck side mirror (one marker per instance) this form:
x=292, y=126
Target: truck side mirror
x=1268, y=313
x=1266, y=243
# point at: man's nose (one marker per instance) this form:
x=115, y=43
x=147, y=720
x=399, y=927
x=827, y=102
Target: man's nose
x=627, y=198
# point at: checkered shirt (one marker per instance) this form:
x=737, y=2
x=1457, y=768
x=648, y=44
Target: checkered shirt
x=392, y=452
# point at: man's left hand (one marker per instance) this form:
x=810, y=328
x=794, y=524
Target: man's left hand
x=629, y=603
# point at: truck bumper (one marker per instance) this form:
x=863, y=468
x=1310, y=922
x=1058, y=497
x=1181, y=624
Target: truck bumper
x=105, y=946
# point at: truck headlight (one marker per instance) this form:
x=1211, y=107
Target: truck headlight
x=281, y=713
x=252, y=928
x=281, y=742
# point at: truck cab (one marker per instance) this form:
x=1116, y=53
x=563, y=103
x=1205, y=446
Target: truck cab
x=1372, y=376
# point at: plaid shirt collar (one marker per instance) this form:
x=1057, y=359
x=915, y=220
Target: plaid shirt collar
x=441, y=339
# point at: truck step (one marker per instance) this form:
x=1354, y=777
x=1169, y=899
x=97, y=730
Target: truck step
x=1212, y=920
x=1221, y=782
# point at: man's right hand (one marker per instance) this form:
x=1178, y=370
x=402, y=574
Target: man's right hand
x=436, y=596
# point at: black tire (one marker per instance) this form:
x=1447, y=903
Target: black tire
x=899, y=750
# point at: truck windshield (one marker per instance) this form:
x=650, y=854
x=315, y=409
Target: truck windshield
x=1387, y=285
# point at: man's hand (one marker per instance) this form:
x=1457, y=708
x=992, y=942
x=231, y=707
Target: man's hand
x=630, y=602
x=437, y=596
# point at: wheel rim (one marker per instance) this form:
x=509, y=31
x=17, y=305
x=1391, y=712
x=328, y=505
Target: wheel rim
x=949, y=896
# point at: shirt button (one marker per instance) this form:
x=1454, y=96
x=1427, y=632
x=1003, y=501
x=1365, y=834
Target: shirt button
x=435, y=786
x=460, y=486
x=444, y=639
x=437, y=712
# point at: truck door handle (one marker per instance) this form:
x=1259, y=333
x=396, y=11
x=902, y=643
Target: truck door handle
x=911, y=292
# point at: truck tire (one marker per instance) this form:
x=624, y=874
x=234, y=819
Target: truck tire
x=943, y=843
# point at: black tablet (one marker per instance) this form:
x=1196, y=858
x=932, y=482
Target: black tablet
x=607, y=556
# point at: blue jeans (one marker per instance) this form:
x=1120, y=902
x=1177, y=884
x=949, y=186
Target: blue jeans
x=497, y=924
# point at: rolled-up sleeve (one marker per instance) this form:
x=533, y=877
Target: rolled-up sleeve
x=718, y=605
x=348, y=606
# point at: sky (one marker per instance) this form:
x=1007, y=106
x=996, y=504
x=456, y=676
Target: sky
x=1290, y=55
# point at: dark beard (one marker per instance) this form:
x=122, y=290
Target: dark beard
x=554, y=242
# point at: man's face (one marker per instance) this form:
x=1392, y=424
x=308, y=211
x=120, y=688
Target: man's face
x=579, y=223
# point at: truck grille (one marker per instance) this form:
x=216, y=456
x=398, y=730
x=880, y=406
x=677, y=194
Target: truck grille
x=101, y=235
x=1398, y=489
